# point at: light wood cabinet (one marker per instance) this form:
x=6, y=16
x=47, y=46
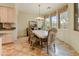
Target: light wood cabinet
x=7, y=14
x=11, y=15
x=3, y=14
x=8, y=38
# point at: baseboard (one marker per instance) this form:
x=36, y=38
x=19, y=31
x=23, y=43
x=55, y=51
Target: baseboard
x=21, y=36
x=7, y=43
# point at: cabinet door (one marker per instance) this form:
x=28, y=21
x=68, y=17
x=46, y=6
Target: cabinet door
x=7, y=38
x=0, y=14
x=3, y=39
x=11, y=15
x=3, y=15
x=8, y=15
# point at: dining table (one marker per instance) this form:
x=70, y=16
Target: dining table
x=41, y=34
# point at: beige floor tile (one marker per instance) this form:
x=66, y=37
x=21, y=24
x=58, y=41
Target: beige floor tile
x=22, y=48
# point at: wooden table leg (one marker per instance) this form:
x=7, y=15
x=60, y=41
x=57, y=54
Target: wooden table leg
x=41, y=43
x=47, y=48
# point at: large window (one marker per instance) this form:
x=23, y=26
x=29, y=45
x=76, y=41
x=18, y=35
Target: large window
x=54, y=21
x=64, y=20
x=47, y=23
x=76, y=16
x=59, y=20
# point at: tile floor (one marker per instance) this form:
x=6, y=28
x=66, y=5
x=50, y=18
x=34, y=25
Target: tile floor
x=22, y=48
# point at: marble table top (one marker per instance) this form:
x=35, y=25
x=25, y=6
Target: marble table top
x=40, y=33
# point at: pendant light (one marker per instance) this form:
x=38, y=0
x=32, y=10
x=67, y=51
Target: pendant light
x=39, y=17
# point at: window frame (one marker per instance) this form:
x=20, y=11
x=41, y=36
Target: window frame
x=76, y=17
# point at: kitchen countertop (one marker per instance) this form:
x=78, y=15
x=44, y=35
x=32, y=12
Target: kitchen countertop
x=3, y=32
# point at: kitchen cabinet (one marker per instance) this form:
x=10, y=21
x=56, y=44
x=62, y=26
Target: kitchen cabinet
x=11, y=15
x=8, y=38
x=3, y=14
x=7, y=14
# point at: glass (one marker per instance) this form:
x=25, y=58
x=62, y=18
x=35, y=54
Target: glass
x=64, y=20
x=54, y=21
x=47, y=23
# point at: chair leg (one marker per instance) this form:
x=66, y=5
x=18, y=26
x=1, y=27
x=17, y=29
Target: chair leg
x=41, y=43
x=54, y=48
x=29, y=39
x=47, y=48
x=32, y=45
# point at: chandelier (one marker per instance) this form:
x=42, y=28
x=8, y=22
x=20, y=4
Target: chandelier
x=39, y=17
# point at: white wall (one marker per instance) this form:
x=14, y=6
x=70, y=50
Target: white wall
x=22, y=23
x=69, y=35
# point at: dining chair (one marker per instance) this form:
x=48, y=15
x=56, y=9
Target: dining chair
x=29, y=34
x=50, y=40
x=33, y=40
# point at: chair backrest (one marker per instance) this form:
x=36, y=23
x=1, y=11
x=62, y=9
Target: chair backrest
x=30, y=32
x=51, y=35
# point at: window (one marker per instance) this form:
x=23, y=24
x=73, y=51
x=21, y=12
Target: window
x=54, y=21
x=64, y=20
x=40, y=23
x=76, y=16
x=47, y=23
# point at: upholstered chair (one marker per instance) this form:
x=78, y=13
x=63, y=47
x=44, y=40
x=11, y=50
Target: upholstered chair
x=51, y=39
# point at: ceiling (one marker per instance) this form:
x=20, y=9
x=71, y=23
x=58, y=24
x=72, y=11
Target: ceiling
x=33, y=9
x=7, y=4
